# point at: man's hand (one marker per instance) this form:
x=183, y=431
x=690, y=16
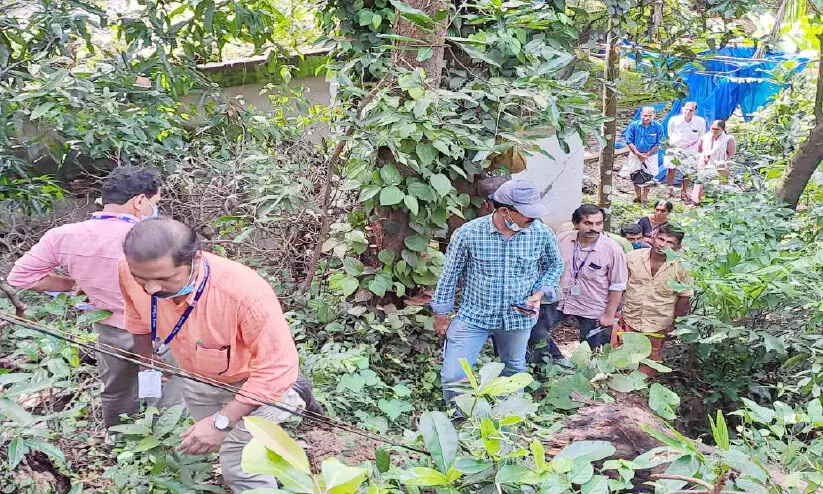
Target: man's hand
x=534, y=300
x=202, y=438
x=606, y=320
x=441, y=323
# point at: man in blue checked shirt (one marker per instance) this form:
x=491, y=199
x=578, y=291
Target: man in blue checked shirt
x=505, y=259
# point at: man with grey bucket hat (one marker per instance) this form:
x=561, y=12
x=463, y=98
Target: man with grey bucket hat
x=506, y=262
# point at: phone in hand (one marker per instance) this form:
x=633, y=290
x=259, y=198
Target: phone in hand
x=524, y=309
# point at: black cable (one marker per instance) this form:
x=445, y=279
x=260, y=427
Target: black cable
x=176, y=371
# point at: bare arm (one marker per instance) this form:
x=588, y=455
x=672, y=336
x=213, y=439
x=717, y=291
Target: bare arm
x=611, y=305
x=53, y=283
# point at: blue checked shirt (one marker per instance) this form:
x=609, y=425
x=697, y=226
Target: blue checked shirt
x=496, y=273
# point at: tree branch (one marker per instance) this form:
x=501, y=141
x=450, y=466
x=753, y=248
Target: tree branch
x=325, y=223
x=19, y=307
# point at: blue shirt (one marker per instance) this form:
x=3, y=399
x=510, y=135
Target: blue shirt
x=644, y=138
x=497, y=272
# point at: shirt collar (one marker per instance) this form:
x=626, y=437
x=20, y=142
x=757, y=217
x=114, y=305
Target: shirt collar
x=590, y=247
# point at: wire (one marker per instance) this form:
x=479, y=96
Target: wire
x=192, y=376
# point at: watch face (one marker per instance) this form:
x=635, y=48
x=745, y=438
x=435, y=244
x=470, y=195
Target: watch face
x=221, y=422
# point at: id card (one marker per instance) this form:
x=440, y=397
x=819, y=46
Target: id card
x=575, y=290
x=149, y=384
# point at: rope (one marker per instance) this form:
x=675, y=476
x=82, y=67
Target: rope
x=192, y=376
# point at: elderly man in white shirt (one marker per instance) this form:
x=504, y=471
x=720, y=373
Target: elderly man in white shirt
x=684, y=132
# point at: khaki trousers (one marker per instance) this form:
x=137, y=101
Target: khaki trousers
x=203, y=400
x=119, y=377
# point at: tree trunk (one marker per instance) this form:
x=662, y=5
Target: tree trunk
x=609, y=111
x=416, y=54
x=818, y=95
x=803, y=165
x=657, y=20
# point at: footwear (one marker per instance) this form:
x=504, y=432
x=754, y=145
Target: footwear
x=636, y=200
x=304, y=390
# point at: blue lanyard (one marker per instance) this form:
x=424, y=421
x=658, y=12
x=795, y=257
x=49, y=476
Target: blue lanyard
x=575, y=267
x=127, y=219
x=183, y=318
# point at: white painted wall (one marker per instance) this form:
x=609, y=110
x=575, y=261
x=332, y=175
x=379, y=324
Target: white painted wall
x=559, y=180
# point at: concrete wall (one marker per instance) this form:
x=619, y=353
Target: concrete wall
x=559, y=180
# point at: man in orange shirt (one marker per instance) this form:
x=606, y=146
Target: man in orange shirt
x=220, y=320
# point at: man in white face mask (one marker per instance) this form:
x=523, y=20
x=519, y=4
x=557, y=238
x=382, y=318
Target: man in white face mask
x=88, y=252
x=507, y=261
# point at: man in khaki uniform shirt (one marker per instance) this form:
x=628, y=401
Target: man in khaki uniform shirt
x=651, y=305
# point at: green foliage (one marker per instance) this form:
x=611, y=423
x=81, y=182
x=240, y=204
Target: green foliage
x=414, y=146
x=147, y=460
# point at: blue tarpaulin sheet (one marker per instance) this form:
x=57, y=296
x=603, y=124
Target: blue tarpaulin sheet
x=725, y=80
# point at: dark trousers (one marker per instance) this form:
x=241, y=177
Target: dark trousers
x=541, y=344
x=586, y=325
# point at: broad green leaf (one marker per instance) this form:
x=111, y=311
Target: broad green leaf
x=425, y=155
x=422, y=192
x=582, y=355
x=516, y=474
x=386, y=256
x=382, y=460
x=490, y=436
x=626, y=383
x=599, y=484
x=663, y=401
x=539, y=454
x=51, y=450
x=441, y=184
x=92, y=316
x=257, y=458
x=14, y=377
x=390, y=174
x=394, y=408
x=505, y=385
x=411, y=203
x=349, y=285
x=17, y=451
x=391, y=195
x=131, y=429
x=490, y=372
x=168, y=421
x=758, y=413
x=380, y=284
x=440, y=438
x=470, y=466
x=634, y=349
x=413, y=15
x=582, y=471
x=41, y=110
x=368, y=192
x=423, y=476
x=353, y=266
x=467, y=369
x=743, y=464
x=424, y=54
x=14, y=412
x=416, y=242
x=58, y=367
x=341, y=479
x=146, y=444
x=656, y=365
x=587, y=451
x=273, y=437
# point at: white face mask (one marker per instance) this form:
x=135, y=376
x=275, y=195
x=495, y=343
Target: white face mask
x=510, y=224
x=155, y=212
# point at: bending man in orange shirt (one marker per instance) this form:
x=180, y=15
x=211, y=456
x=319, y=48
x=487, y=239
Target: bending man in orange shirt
x=221, y=320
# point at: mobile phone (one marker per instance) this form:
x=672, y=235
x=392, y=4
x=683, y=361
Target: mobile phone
x=523, y=308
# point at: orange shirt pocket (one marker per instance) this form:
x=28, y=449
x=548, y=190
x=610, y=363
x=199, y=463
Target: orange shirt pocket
x=214, y=361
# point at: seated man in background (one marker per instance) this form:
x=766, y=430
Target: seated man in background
x=651, y=304
x=633, y=233
x=88, y=252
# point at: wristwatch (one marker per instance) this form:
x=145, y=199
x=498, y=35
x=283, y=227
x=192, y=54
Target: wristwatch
x=221, y=422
